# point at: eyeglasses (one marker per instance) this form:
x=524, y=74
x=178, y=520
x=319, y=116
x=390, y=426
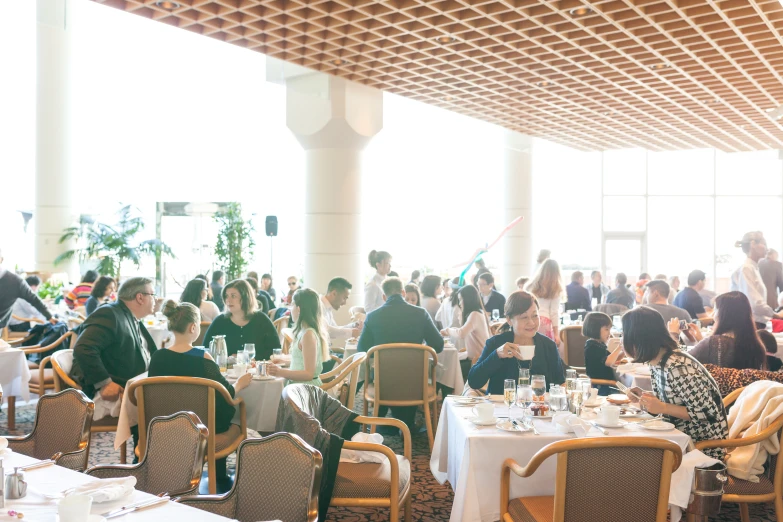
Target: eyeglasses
x=292, y=284
x=145, y=293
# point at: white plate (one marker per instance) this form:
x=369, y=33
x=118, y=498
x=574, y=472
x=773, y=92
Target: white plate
x=595, y=404
x=478, y=422
x=263, y=378
x=658, y=425
x=507, y=426
x=496, y=398
x=91, y=518
x=640, y=415
x=620, y=424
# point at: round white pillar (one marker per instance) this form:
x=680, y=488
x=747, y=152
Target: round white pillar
x=518, y=201
x=53, y=188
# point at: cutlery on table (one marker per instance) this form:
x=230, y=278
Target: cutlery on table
x=529, y=424
x=42, y=464
x=516, y=425
x=599, y=428
x=657, y=417
x=139, y=506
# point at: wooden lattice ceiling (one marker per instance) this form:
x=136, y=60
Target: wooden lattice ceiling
x=600, y=74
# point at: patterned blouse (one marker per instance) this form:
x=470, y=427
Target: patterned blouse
x=683, y=381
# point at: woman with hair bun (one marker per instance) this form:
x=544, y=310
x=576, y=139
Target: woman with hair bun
x=373, y=294
x=747, y=279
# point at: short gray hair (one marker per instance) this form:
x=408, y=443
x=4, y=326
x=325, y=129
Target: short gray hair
x=133, y=287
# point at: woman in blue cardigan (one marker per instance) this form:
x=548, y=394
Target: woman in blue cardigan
x=502, y=358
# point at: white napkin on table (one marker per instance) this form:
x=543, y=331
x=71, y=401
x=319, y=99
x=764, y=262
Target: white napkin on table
x=582, y=428
x=682, y=481
x=106, y=490
x=3, y=443
x=356, y=456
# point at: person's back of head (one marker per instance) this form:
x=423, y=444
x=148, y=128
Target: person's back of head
x=521, y=282
x=392, y=286
x=577, y=276
x=430, y=285
x=621, y=279
x=32, y=280
x=90, y=276
x=661, y=276
x=644, y=276
x=253, y=283
x=734, y=316
x=415, y=275
x=253, y=274
x=181, y=316
x=769, y=341
x=659, y=287
x=543, y=255
x=695, y=277
x=217, y=275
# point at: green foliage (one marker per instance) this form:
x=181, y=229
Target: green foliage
x=235, y=242
x=111, y=245
x=50, y=289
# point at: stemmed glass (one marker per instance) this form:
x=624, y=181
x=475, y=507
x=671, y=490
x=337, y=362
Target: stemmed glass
x=250, y=352
x=509, y=394
x=538, y=382
x=524, y=376
x=525, y=397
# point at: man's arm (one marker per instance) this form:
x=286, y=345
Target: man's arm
x=26, y=293
x=431, y=334
x=87, y=353
x=366, y=340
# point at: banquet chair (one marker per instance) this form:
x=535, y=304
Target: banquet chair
x=594, y=481
x=278, y=478
x=346, y=376
x=61, y=431
x=611, y=308
x=62, y=362
x=403, y=377
x=356, y=484
x=31, y=320
x=161, y=396
x=175, y=457
x=271, y=313
x=769, y=488
x=43, y=379
x=200, y=339
x=573, y=345
x=287, y=340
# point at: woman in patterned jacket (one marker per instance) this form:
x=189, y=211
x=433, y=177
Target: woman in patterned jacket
x=683, y=390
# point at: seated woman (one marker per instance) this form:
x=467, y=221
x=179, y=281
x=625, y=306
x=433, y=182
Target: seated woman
x=101, y=293
x=734, y=342
x=182, y=360
x=310, y=348
x=598, y=360
x=412, y=295
x=243, y=323
x=196, y=293
x=771, y=346
x=502, y=358
x=683, y=390
x=475, y=326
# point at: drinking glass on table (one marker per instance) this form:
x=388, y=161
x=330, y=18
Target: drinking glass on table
x=524, y=376
x=250, y=352
x=241, y=358
x=557, y=398
x=509, y=394
x=538, y=383
x=525, y=397
x=495, y=314
x=277, y=355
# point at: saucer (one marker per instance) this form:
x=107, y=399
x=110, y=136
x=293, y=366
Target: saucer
x=658, y=425
x=594, y=404
x=479, y=422
x=263, y=378
x=91, y=518
x=507, y=426
x=619, y=424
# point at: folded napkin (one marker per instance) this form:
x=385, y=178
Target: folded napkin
x=3, y=443
x=582, y=428
x=104, y=408
x=356, y=456
x=106, y=490
x=682, y=481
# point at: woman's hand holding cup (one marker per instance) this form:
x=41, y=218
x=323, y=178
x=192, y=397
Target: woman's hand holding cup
x=508, y=351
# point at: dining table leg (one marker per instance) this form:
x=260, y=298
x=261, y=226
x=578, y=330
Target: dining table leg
x=11, y=413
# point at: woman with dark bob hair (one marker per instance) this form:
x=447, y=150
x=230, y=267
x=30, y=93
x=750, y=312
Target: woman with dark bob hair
x=502, y=358
x=683, y=390
x=101, y=292
x=598, y=361
x=243, y=323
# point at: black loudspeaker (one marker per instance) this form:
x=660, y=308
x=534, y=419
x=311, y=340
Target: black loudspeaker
x=271, y=226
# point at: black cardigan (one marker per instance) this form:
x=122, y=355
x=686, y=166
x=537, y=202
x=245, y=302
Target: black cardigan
x=259, y=331
x=546, y=361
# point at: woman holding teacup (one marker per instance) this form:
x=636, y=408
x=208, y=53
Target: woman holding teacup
x=683, y=390
x=518, y=345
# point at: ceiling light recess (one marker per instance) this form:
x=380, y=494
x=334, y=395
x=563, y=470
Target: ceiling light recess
x=446, y=39
x=581, y=11
x=544, y=83
x=660, y=66
x=167, y=4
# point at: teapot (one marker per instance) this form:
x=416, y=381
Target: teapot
x=15, y=485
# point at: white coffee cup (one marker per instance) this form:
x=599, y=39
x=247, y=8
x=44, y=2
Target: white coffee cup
x=74, y=508
x=593, y=394
x=610, y=415
x=484, y=411
x=527, y=352
x=240, y=369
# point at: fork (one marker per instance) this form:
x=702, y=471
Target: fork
x=529, y=424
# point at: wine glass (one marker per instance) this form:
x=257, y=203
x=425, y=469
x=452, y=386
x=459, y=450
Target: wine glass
x=250, y=352
x=538, y=383
x=525, y=397
x=509, y=394
x=495, y=314
x=524, y=376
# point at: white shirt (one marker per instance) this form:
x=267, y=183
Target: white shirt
x=451, y=317
x=373, y=293
x=747, y=279
x=432, y=305
x=549, y=308
x=209, y=311
x=24, y=310
x=475, y=332
x=335, y=332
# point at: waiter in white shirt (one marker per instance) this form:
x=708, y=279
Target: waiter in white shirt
x=747, y=279
x=373, y=294
x=337, y=294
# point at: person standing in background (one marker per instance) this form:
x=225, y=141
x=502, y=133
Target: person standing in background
x=547, y=287
x=373, y=294
x=747, y=279
x=415, y=278
x=771, y=271
x=218, y=280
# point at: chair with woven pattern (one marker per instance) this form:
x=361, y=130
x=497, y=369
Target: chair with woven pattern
x=61, y=431
x=162, y=396
x=281, y=323
x=769, y=488
x=345, y=375
x=404, y=376
x=62, y=362
x=43, y=379
x=595, y=482
x=200, y=339
x=278, y=478
x=573, y=345
x=176, y=446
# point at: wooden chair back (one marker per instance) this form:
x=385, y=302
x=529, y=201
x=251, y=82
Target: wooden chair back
x=200, y=339
x=345, y=375
x=403, y=373
x=573, y=345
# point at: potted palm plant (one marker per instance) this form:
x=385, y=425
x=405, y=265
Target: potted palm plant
x=235, y=243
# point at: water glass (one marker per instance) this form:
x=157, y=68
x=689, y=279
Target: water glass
x=583, y=384
x=250, y=351
x=495, y=314
x=241, y=358
x=525, y=396
x=509, y=394
x=277, y=354
x=524, y=376
x=538, y=383
x=558, y=400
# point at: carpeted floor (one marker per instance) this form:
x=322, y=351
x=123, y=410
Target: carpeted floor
x=431, y=501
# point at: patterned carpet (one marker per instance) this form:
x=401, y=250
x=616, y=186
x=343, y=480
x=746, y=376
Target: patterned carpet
x=431, y=501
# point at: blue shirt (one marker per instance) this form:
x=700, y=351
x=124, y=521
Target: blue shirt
x=690, y=300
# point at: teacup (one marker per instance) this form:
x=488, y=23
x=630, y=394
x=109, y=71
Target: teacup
x=74, y=508
x=610, y=415
x=593, y=395
x=527, y=352
x=485, y=411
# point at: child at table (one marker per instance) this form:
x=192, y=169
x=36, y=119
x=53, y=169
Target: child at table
x=771, y=345
x=598, y=361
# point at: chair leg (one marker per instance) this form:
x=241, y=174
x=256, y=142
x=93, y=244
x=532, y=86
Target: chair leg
x=408, y=507
x=375, y=408
x=212, y=476
x=394, y=513
x=779, y=509
x=11, y=413
x=428, y=420
x=124, y=453
x=744, y=513
x=365, y=408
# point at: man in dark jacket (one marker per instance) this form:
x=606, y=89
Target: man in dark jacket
x=13, y=287
x=492, y=299
x=113, y=346
x=577, y=296
x=399, y=322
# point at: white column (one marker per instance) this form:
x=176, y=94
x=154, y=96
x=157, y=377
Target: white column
x=54, y=188
x=518, y=201
x=334, y=120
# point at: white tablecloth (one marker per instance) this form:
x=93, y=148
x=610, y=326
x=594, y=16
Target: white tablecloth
x=14, y=373
x=448, y=373
x=635, y=375
x=470, y=458
x=159, y=333
x=53, y=479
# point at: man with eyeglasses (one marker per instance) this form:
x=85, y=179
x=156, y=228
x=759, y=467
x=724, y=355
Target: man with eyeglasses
x=113, y=345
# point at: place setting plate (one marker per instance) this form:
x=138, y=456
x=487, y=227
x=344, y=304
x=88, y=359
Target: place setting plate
x=507, y=425
x=478, y=422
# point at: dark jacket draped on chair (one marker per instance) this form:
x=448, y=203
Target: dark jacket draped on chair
x=322, y=422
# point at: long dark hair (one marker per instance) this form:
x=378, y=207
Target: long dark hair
x=735, y=316
x=310, y=316
x=454, y=297
x=100, y=286
x=192, y=292
x=471, y=302
x=645, y=333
